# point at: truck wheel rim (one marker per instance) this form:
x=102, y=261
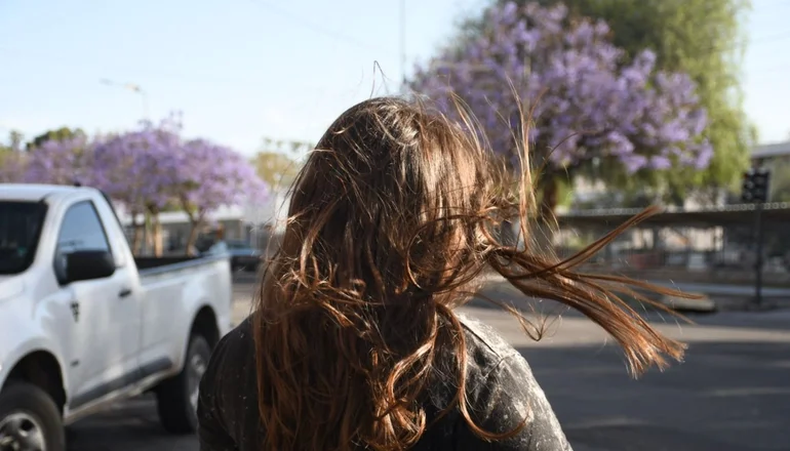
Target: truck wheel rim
x=197, y=366
x=20, y=431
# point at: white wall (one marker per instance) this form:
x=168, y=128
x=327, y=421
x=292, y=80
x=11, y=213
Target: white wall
x=272, y=211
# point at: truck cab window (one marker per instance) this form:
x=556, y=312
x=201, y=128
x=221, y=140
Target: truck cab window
x=81, y=230
x=20, y=228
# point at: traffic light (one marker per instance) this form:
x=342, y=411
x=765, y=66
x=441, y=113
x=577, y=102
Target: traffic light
x=755, y=186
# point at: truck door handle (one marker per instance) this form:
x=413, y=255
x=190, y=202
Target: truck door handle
x=125, y=292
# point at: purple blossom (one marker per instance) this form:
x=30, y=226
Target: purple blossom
x=12, y=166
x=660, y=162
x=587, y=103
x=60, y=162
x=211, y=176
x=139, y=168
x=149, y=169
x=633, y=162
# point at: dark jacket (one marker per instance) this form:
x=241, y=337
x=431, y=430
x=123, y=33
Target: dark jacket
x=501, y=392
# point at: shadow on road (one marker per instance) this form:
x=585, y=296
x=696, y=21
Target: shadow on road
x=728, y=395
x=131, y=426
x=725, y=397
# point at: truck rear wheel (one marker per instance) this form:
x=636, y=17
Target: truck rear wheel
x=29, y=420
x=177, y=397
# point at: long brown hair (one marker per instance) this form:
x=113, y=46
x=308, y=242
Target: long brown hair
x=391, y=221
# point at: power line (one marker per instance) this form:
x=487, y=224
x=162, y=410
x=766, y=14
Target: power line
x=313, y=26
x=402, y=29
x=769, y=71
x=135, y=88
x=767, y=39
x=273, y=8
x=66, y=59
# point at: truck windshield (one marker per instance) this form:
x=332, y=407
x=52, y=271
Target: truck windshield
x=20, y=228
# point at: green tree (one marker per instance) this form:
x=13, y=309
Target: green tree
x=276, y=169
x=701, y=38
x=11, y=157
x=276, y=161
x=15, y=140
x=60, y=134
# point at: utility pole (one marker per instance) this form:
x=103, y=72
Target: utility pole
x=402, y=27
x=755, y=187
x=134, y=88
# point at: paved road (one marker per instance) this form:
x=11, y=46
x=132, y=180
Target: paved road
x=733, y=392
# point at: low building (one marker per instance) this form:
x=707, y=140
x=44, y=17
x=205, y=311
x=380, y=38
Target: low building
x=252, y=223
x=772, y=151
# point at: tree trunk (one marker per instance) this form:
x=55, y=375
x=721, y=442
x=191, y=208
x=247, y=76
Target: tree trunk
x=195, y=221
x=193, y=234
x=544, y=227
x=149, y=233
x=158, y=241
x=549, y=199
x=155, y=237
x=137, y=233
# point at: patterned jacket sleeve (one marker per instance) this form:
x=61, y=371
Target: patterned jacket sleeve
x=508, y=395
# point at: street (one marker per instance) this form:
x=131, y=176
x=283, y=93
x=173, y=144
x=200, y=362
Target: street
x=732, y=393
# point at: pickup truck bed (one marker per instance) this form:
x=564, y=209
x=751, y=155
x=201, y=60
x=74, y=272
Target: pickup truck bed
x=156, y=263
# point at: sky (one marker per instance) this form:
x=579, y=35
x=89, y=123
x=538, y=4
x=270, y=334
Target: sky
x=242, y=70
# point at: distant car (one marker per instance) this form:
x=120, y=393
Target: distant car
x=242, y=255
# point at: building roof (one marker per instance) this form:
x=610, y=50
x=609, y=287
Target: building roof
x=774, y=150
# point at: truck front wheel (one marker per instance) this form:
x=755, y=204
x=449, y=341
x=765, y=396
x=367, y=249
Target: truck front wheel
x=29, y=420
x=177, y=397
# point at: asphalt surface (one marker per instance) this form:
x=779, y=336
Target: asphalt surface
x=732, y=393
x=714, y=289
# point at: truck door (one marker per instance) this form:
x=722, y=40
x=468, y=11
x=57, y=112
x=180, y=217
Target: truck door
x=104, y=336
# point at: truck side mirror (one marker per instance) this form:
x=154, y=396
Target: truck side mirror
x=89, y=265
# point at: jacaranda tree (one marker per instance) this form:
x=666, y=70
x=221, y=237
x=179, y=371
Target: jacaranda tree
x=588, y=109
x=139, y=169
x=60, y=162
x=210, y=176
x=149, y=170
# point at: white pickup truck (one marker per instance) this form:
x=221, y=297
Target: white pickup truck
x=83, y=324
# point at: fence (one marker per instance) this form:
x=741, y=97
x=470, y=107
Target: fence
x=702, y=246
x=713, y=245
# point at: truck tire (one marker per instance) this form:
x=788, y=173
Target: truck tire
x=177, y=397
x=30, y=420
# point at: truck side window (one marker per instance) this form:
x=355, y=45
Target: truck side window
x=81, y=230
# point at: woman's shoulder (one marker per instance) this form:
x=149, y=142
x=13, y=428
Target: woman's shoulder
x=487, y=346
x=494, y=363
x=232, y=359
x=504, y=394
x=236, y=346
